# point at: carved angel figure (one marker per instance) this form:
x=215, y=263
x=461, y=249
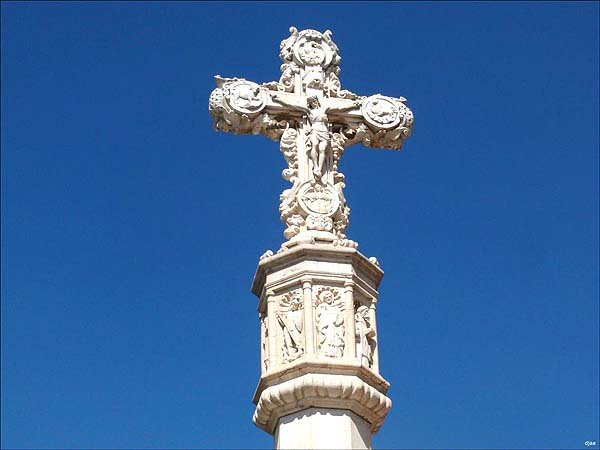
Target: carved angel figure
x=365, y=343
x=330, y=324
x=292, y=323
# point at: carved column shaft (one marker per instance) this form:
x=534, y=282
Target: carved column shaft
x=350, y=337
x=274, y=357
x=309, y=325
x=375, y=356
x=264, y=351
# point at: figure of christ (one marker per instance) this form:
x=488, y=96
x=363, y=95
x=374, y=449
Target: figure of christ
x=318, y=135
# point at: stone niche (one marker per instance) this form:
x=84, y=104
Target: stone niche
x=317, y=312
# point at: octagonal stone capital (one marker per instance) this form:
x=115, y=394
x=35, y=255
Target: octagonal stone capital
x=321, y=391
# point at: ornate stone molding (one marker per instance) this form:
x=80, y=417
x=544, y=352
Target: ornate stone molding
x=297, y=255
x=314, y=364
x=325, y=391
x=329, y=360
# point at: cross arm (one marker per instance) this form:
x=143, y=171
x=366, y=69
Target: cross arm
x=288, y=105
x=376, y=121
x=344, y=106
x=241, y=106
x=314, y=119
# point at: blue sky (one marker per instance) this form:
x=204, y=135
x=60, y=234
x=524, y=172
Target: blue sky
x=131, y=230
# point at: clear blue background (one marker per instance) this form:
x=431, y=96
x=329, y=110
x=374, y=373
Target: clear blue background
x=131, y=230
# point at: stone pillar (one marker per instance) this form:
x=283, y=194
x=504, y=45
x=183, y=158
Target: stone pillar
x=319, y=399
x=323, y=428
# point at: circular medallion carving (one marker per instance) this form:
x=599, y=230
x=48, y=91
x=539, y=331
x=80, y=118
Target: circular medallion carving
x=381, y=112
x=247, y=97
x=312, y=50
x=311, y=53
x=318, y=200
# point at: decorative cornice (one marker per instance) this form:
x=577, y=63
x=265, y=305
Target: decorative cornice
x=321, y=391
x=314, y=365
x=314, y=252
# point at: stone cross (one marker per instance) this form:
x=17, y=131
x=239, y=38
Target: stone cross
x=314, y=120
x=320, y=385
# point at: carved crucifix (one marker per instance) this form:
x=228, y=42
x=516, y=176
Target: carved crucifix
x=314, y=120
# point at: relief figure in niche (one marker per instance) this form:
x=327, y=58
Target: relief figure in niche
x=330, y=325
x=365, y=342
x=292, y=323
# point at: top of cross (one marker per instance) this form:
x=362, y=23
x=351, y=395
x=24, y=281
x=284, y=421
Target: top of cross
x=314, y=120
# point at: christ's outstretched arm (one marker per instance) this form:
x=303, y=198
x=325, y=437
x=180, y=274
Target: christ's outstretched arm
x=279, y=100
x=354, y=105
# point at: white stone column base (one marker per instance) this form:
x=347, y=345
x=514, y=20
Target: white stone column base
x=322, y=428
